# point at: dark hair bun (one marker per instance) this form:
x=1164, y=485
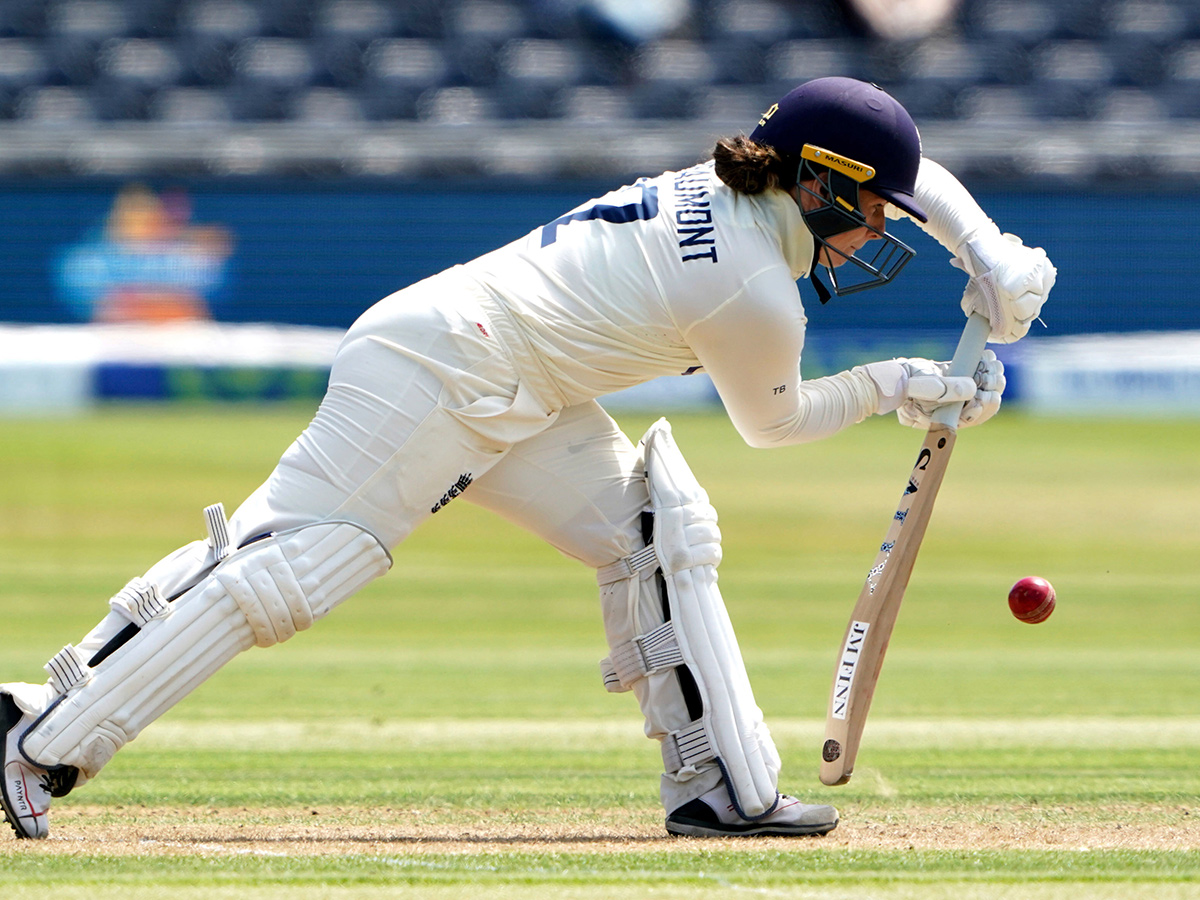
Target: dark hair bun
x=749, y=167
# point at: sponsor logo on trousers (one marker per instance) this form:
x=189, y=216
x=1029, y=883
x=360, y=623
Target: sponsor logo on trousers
x=464, y=481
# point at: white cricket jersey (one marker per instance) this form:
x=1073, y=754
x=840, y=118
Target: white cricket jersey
x=666, y=276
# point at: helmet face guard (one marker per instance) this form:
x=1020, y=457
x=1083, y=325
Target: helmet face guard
x=838, y=211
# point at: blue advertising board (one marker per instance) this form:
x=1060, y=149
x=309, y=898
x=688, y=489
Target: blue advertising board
x=314, y=253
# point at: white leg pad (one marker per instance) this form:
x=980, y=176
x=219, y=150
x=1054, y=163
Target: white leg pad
x=298, y=577
x=262, y=594
x=730, y=735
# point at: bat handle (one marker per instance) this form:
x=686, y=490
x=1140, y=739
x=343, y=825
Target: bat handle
x=966, y=358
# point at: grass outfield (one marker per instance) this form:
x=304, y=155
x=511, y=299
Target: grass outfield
x=446, y=733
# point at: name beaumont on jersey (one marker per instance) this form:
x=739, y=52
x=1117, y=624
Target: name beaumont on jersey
x=693, y=217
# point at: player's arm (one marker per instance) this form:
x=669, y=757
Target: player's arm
x=751, y=346
x=1009, y=282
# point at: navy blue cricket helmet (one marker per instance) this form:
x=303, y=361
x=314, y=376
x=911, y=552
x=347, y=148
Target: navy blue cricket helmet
x=856, y=120
x=843, y=135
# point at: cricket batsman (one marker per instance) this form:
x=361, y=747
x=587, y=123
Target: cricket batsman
x=480, y=384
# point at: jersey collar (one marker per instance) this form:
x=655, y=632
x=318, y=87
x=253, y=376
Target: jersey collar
x=795, y=240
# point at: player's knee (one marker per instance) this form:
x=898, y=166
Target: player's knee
x=687, y=536
x=285, y=582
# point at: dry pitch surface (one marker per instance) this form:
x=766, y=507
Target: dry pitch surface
x=881, y=821
x=80, y=829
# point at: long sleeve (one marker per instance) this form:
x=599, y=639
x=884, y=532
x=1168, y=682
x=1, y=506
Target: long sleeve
x=751, y=346
x=954, y=215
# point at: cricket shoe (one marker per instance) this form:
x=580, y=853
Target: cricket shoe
x=713, y=815
x=26, y=790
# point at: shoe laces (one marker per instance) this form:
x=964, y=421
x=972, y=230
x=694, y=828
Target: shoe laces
x=57, y=782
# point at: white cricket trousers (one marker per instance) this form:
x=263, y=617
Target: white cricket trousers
x=429, y=403
x=425, y=403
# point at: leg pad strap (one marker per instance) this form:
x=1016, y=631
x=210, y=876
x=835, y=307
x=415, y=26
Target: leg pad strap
x=139, y=601
x=261, y=594
x=68, y=669
x=686, y=750
x=644, y=655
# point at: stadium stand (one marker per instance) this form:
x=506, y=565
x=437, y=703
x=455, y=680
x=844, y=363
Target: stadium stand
x=1074, y=67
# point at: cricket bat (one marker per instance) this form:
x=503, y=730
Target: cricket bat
x=861, y=656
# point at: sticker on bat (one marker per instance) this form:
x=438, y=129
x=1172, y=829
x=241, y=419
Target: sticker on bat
x=873, y=575
x=848, y=667
x=831, y=751
x=923, y=459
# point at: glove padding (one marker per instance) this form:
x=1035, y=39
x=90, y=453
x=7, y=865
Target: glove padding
x=915, y=388
x=1009, y=283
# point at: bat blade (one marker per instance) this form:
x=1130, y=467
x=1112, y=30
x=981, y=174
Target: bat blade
x=860, y=659
x=874, y=615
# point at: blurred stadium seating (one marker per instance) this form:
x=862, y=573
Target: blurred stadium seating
x=317, y=85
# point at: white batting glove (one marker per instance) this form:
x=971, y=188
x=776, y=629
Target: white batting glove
x=1009, y=283
x=915, y=388
x=903, y=381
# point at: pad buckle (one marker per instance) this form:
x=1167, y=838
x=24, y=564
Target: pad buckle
x=139, y=601
x=218, y=530
x=644, y=655
x=686, y=750
x=631, y=566
x=67, y=669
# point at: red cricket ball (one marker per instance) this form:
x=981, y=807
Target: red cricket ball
x=1032, y=599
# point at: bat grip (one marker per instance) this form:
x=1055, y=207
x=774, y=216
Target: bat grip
x=966, y=359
